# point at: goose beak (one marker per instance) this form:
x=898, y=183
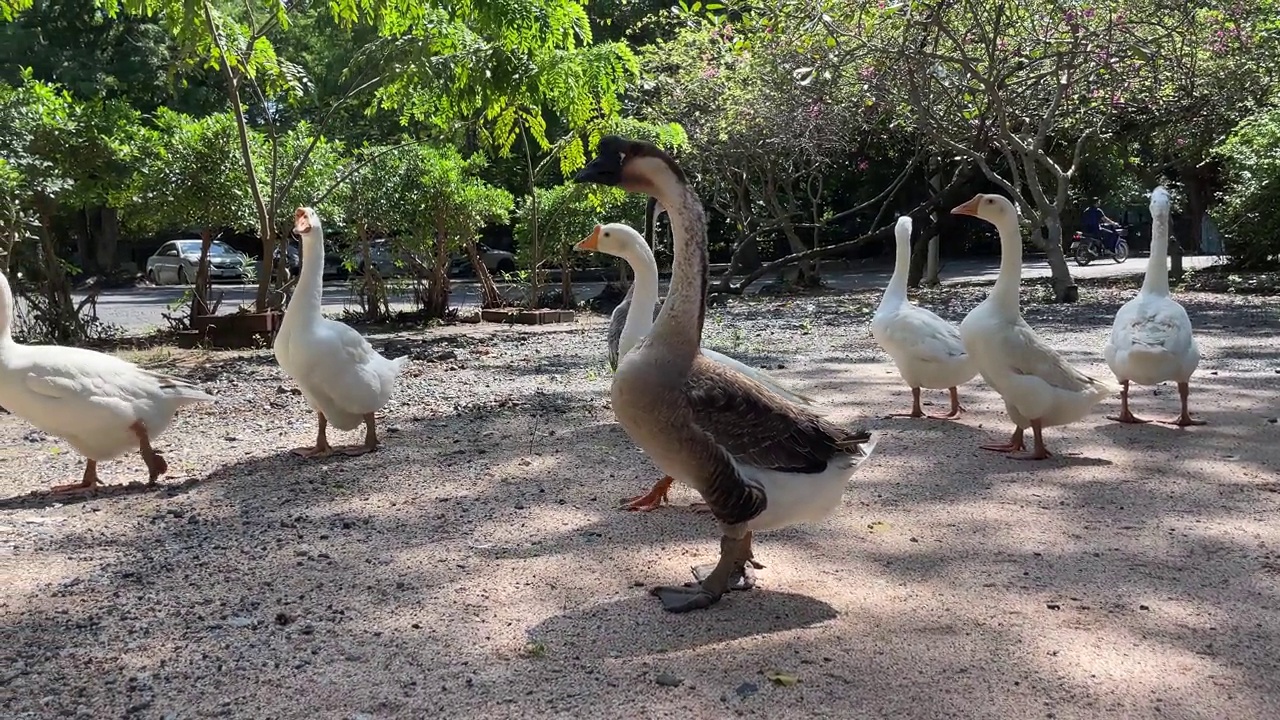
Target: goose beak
x=605, y=169
x=301, y=223
x=590, y=242
x=969, y=208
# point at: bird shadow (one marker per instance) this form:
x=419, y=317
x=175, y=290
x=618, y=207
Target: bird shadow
x=43, y=499
x=738, y=615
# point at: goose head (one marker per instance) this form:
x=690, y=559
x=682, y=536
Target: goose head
x=902, y=230
x=1159, y=202
x=995, y=209
x=306, y=221
x=617, y=239
x=633, y=165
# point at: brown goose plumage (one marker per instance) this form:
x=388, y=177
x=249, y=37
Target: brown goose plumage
x=759, y=460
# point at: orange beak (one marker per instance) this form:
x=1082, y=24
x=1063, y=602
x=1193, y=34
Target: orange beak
x=969, y=208
x=301, y=223
x=592, y=241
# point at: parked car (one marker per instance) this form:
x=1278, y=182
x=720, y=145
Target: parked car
x=294, y=253
x=496, y=261
x=178, y=260
x=385, y=259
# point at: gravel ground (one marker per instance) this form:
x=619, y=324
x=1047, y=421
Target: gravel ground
x=476, y=566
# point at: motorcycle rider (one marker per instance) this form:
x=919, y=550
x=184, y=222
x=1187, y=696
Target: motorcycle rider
x=1096, y=223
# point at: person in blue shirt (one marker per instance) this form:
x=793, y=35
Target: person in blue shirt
x=1096, y=223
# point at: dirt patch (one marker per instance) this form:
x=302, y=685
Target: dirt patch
x=476, y=564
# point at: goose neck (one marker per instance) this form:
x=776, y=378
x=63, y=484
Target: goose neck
x=679, y=324
x=644, y=296
x=6, y=313
x=1156, y=281
x=896, y=292
x=1009, y=281
x=306, y=296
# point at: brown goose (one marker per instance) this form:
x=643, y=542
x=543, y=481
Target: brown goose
x=759, y=461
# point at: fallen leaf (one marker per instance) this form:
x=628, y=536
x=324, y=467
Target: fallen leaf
x=781, y=678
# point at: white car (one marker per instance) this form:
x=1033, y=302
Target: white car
x=178, y=260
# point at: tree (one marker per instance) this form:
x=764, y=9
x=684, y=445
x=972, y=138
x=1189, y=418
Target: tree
x=1017, y=90
x=569, y=209
x=59, y=155
x=448, y=208
x=1217, y=68
x=191, y=179
x=1251, y=224
x=380, y=185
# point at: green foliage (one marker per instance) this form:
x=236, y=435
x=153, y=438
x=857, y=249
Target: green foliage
x=1249, y=218
x=378, y=190
x=315, y=175
x=192, y=177
x=566, y=214
x=447, y=198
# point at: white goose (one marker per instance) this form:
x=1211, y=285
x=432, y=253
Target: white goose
x=342, y=377
x=622, y=240
x=1151, y=340
x=1040, y=388
x=102, y=405
x=926, y=349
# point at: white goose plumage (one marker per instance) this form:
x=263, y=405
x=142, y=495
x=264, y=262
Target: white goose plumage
x=102, y=405
x=1039, y=387
x=1151, y=339
x=926, y=349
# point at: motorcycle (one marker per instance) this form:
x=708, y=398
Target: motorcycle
x=1087, y=248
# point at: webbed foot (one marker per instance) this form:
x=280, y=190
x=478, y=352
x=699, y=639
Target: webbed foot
x=652, y=500
x=740, y=579
x=684, y=598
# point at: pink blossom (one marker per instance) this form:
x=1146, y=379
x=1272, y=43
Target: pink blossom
x=1180, y=142
x=867, y=73
x=710, y=73
x=1088, y=12
x=863, y=165
x=728, y=30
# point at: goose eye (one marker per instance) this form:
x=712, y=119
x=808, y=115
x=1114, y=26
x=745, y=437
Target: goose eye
x=606, y=234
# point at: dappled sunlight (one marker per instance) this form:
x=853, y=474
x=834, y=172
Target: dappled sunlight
x=485, y=531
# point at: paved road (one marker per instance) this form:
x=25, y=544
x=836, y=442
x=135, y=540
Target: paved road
x=139, y=309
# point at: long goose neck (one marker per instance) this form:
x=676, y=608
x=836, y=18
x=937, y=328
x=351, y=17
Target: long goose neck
x=306, y=296
x=896, y=293
x=1157, y=279
x=679, y=324
x=644, y=296
x=6, y=313
x=1009, y=281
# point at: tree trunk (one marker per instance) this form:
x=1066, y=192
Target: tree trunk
x=1064, y=287
x=932, y=265
x=84, y=242
x=744, y=255
x=62, y=322
x=1197, y=208
x=104, y=231
x=566, y=278
x=489, y=295
x=533, y=222
x=919, y=254
x=438, y=291
x=805, y=272
x=200, y=292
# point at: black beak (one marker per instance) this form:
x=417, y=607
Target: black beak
x=605, y=169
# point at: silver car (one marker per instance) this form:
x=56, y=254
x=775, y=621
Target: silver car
x=178, y=260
